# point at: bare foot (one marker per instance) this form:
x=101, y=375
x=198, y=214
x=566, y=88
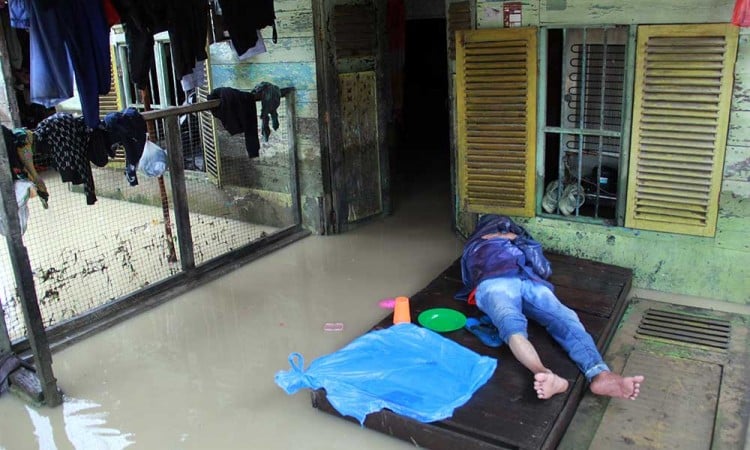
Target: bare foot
x=547, y=384
x=617, y=386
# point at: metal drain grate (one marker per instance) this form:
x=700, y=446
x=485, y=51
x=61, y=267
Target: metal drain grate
x=684, y=328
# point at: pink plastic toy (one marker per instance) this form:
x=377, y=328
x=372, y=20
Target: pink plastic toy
x=387, y=303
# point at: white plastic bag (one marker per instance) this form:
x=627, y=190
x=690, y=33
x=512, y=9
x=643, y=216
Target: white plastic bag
x=153, y=161
x=23, y=192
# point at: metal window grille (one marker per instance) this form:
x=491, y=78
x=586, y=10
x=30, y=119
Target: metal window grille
x=583, y=141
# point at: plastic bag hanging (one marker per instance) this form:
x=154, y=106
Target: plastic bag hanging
x=153, y=161
x=23, y=190
x=410, y=370
x=741, y=15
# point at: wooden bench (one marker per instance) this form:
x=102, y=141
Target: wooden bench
x=505, y=413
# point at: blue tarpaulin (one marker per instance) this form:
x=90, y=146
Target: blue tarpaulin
x=407, y=369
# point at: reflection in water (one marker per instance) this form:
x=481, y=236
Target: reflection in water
x=83, y=427
x=42, y=430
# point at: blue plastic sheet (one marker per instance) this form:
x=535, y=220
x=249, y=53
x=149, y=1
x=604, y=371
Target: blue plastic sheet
x=410, y=370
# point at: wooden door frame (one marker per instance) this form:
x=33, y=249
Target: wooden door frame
x=334, y=201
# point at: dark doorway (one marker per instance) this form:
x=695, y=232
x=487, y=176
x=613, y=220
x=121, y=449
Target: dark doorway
x=422, y=155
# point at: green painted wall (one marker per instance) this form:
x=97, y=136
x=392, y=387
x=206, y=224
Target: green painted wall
x=717, y=267
x=288, y=63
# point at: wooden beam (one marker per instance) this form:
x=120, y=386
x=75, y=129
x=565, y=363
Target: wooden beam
x=19, y=258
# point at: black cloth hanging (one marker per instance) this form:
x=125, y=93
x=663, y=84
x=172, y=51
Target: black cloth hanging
x=16, y=166
x=270, y=99
x=185, y=20
x=127, y=129
x=242, y=20
x=238, y=114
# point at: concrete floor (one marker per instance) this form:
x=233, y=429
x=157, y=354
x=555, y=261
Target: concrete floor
x=197, y=372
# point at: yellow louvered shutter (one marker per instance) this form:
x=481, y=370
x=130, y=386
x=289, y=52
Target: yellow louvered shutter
x=496, y=120
x=682, y=95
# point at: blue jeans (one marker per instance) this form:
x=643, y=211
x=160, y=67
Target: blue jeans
x=509, y=301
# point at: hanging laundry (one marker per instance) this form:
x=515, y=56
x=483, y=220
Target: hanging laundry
x=19, y=13
x=238, y=114
x=65, y=139
x=195, y=79
x=25, y=146
x=110, y=13
x=22, y=190
x=127, y=129
x=259, y=48
x=187, y=24
x=242, y=21
x=16, y=166
x=69, y=39
x=270, y=99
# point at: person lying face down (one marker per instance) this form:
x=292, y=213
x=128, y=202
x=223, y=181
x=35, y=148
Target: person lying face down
x=505, y=272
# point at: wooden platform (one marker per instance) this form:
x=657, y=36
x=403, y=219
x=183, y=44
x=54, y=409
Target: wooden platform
x=505, y=413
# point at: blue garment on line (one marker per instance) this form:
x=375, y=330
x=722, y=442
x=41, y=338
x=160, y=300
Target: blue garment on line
x=407, y=369
x=82, y=27
x=19, y=13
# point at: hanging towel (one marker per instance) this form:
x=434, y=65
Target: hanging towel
x=238, y=114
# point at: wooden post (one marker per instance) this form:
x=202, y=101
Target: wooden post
x=179, y=192
x=25, y=284
x=172, y=257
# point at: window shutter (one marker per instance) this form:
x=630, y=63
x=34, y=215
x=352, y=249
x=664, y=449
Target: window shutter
x=110, y=102
x=496, y=95
x=682, y=95
x=211, y=159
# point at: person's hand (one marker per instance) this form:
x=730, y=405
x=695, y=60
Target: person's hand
x=509, y=236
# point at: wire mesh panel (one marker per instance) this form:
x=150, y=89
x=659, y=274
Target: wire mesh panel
x=248, y=198
x=84, y=256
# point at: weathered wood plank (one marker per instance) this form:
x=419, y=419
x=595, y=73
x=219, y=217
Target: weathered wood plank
x=300, y=75
x=736, y=187
x=635, y=11
x=287, y=50
x=739, y=129
x=292, y=5
x=741, y=94
x=737, y=163
x=289, y=24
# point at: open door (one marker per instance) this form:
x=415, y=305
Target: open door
x=350, y=49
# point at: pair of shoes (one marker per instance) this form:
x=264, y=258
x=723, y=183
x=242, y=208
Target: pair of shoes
x=571, y=199
x=549, y=201
x=484, y=330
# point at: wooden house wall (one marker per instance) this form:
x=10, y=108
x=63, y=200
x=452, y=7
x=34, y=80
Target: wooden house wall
x=716, y=267
x=288, y=63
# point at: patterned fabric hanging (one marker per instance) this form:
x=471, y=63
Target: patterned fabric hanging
x=65, y=138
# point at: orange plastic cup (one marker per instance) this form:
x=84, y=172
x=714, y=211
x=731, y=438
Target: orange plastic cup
x=401, y=312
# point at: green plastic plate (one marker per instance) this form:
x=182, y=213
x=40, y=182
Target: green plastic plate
x=442, y=319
